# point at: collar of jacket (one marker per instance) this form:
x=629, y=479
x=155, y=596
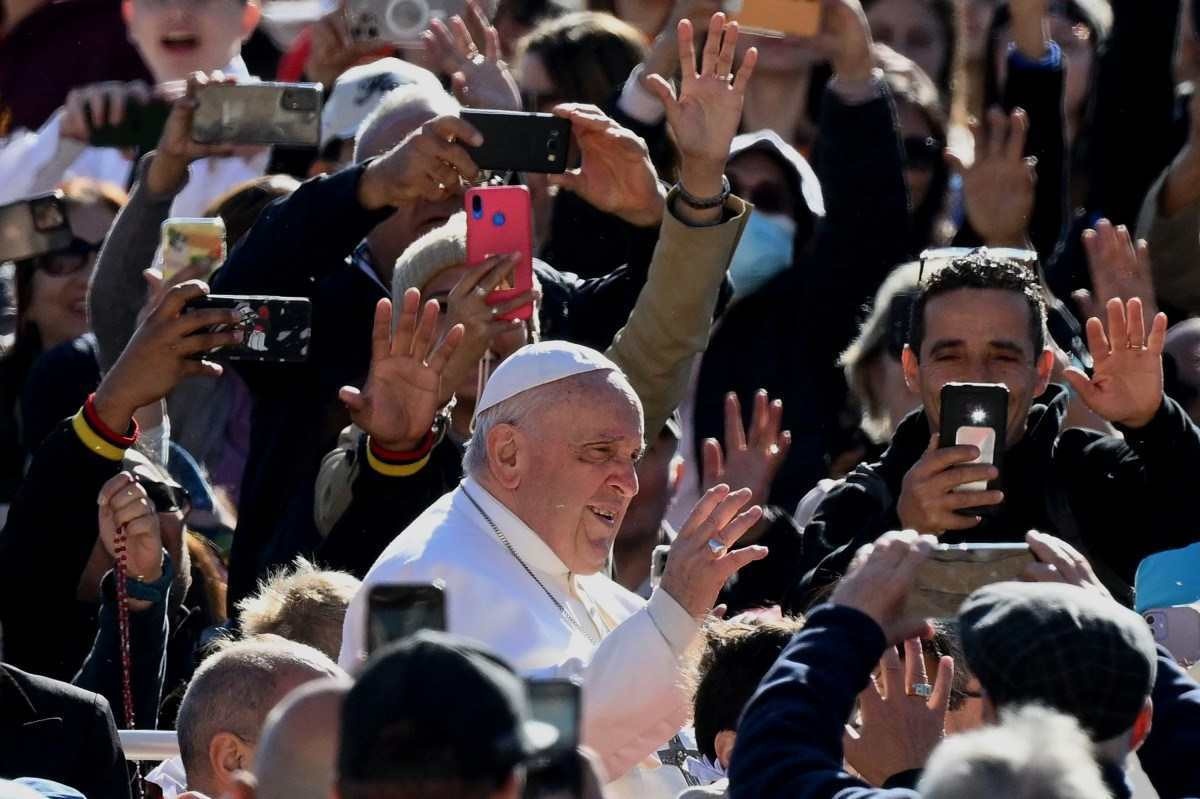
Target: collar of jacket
x=1043, y=424
x=16, y=708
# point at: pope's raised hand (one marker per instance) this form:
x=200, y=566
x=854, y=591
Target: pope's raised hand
x=402, y=395
x=702, y=558
x=1126, y=386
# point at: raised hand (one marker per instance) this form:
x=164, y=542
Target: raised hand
x=1126, y=386
x=176, y=149
x=998, y=187
x=880, y=579
x=751, y=458
x=900, y=727
x=1059, y=562
x=1119, y=270
x=615, y=174
x=429, y=165
x=99, y=105
x=402, y=395
x=164, y=350
x=845, y=39
x=334, y=50
x=479, y=80
x=125, y=504
x=467, y=305
x=702, y=558
x=706, y=114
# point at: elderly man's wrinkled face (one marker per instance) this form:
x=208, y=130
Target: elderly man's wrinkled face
x=579, y=472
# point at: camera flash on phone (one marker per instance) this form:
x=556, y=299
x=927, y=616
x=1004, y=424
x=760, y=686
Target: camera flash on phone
x=978, y=416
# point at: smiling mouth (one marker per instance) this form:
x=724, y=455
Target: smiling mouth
x=608, y=517
x=180, y=42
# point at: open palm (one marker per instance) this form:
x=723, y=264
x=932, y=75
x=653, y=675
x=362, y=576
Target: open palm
x=402, y=394
x=706, y=115
x=1126, y=386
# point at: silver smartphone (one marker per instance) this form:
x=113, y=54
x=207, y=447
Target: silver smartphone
x=398, y=21
x=259, y=113
x=954, y=571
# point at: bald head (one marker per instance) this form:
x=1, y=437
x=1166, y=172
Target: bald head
x=297, y=756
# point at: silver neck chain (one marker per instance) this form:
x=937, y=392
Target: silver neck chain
x=562, y=609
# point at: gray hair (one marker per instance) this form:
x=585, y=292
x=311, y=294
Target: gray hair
x=399, y=101
x=234, y=690
x=1034, y=753
x=520, y=408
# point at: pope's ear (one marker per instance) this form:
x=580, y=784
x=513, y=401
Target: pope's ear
x=507, y=453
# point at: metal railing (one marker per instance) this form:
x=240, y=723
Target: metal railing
x=149, y=744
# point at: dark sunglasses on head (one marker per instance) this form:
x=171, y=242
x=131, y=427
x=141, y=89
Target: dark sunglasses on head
x=70, y=259
x=922, y=152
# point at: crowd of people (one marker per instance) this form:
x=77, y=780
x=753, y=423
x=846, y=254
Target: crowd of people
x=667, y=517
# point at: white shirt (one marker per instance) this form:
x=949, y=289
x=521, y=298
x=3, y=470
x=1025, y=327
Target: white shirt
x=33, y=163
x=633, y=697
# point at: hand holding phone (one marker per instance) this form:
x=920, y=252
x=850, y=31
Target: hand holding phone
x=258, y=113
x=516, y=141
x=271, y=329
x=500, y=222
x=398, y=21
x=1178, y=629
x=560, y=774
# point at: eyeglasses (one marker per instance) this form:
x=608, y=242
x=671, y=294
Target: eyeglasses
x=939, y=258
x=922, y=152
x=70, y=259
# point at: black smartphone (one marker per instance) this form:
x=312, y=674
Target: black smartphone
x=954, y=571
x=518, y=141
x=34, y=226
x=274, y=329
x=558, y=775
x=141, y=128
x=259, y=113
x=397, y=610
x=977, y=414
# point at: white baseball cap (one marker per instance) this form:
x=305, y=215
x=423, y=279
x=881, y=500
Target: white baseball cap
x=538, y=364
x=359, y=89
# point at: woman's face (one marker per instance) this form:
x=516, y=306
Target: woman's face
x=910, y=28
x=1075, y=39
x=918, y=171
x=58, y=297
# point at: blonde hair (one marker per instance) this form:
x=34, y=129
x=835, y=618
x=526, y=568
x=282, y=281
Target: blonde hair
x=303, y=604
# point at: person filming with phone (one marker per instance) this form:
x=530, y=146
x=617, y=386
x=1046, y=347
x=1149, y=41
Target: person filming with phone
x=981, y=320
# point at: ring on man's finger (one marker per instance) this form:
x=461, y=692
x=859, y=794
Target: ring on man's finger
x=717, y=547
x=921, y=690
x=480, y=291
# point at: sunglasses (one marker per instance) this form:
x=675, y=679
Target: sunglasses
x=70, y=259
x=938, y=258
x=922, y=152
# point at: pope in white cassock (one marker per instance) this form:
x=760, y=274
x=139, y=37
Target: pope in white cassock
x=522, y=545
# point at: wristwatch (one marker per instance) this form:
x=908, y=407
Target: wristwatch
x=704, y=203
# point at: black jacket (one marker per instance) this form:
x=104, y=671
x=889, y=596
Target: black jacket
x=59, y=732
x=1126, y=499
x=789, y=741
x=787, y=336
x=299, y=248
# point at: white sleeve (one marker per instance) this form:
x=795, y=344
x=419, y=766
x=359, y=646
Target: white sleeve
x=637, y=102
x=34, y=163
x=634, y=698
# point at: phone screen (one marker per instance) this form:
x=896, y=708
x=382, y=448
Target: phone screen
x=398, y=611
x=556, y=702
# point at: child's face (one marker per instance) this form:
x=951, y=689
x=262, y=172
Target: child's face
x=178, y=37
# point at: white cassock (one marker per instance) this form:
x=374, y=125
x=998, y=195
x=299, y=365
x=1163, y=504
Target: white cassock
x=634, y=700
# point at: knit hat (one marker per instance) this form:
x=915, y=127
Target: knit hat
x=1061, y=646
x=438, y=250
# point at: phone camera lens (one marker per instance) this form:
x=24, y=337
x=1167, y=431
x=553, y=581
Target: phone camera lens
x=477, y=207
x=498, y=219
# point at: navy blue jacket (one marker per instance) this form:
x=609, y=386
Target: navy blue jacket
x=789, y=742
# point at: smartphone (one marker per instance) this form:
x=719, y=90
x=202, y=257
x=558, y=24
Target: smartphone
x=559, y=775
x=953, y=571
x=398, y=21
x=658, y=563
x=275, y=329
x=397, y=610
x=1178, y=629
x=34, y=226
x=500, y=221
x=141, y=128
x=976, y=414
x=776, y=18
x=192, y=242
x=259, y=113
x=520, y=141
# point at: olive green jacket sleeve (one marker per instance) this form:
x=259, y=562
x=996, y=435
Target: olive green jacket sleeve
x=671, y=320
x=1174, y=250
